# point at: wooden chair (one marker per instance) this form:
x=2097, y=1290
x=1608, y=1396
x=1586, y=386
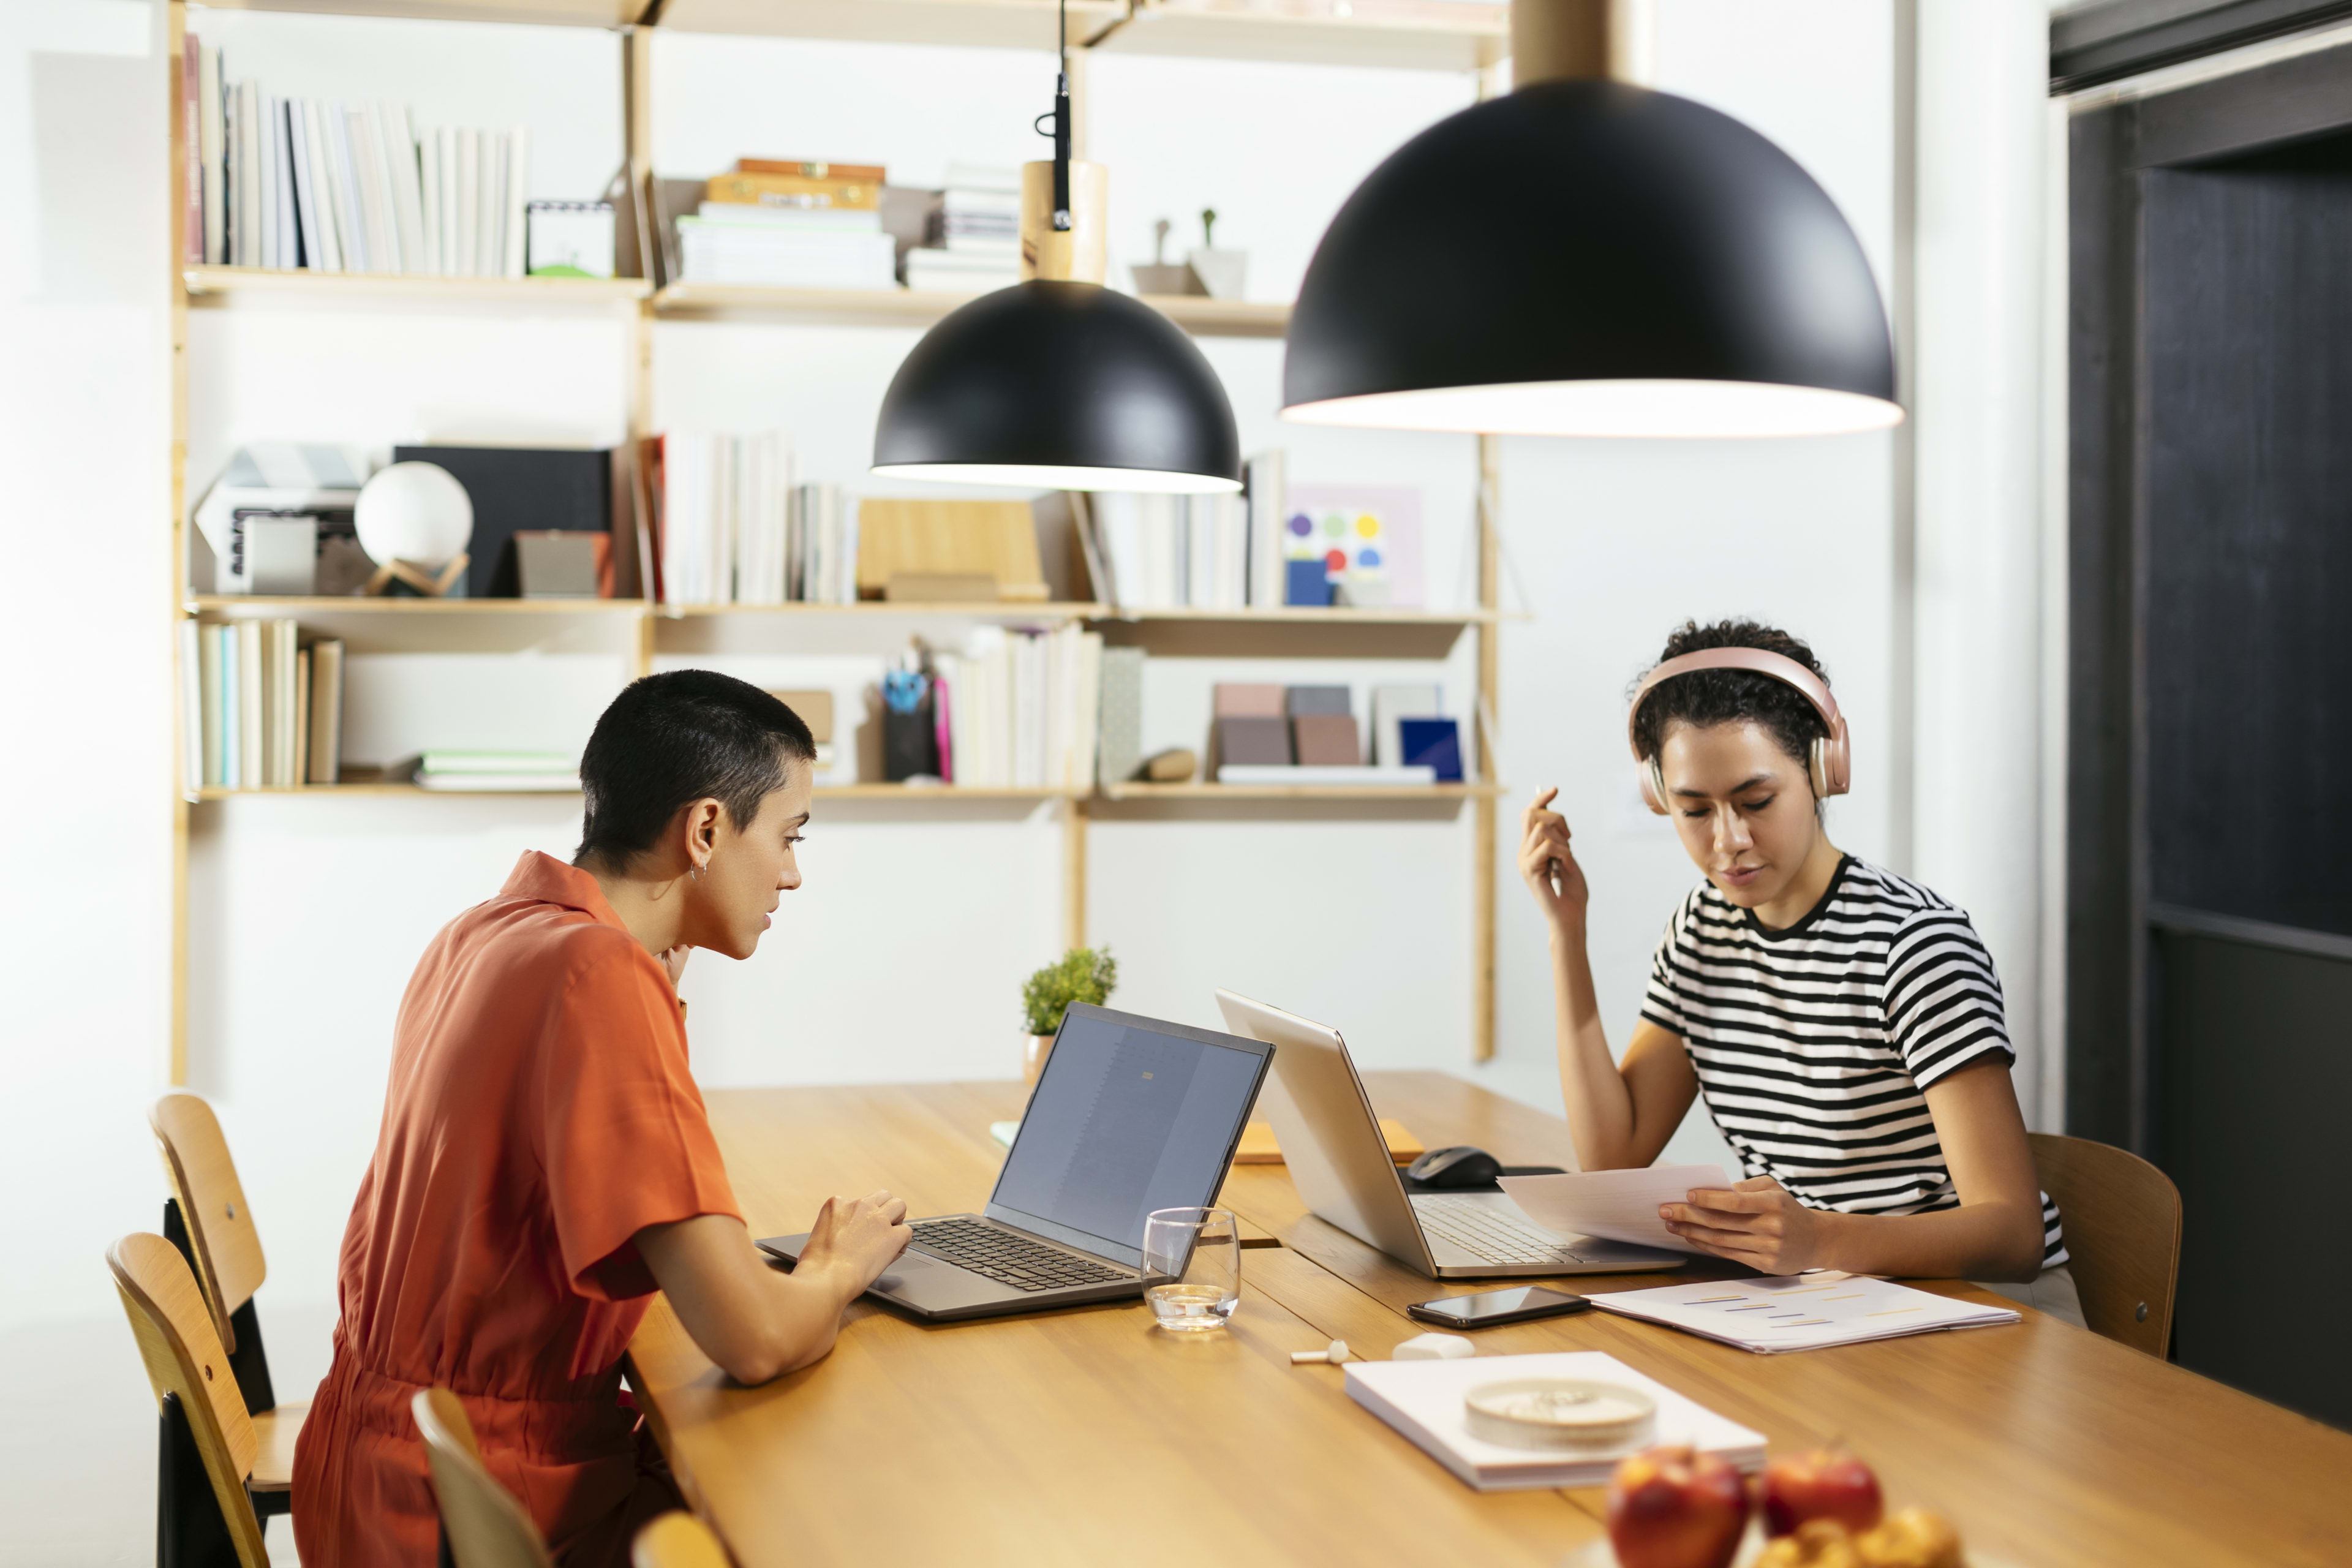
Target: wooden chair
x=482, y=1525
x=203, y=1504
x=207, y=1218
x=678, y=1541
x=2122, y=1220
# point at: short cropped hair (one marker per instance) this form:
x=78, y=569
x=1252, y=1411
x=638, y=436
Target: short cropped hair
x=678, y=737
x=1709, y=696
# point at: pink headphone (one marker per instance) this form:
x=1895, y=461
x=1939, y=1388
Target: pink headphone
x=1831, y=765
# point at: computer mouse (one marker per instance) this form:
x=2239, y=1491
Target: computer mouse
x=1463, y=1165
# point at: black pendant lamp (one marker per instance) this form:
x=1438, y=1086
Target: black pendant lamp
x=1586, y=256
x=1057, y=381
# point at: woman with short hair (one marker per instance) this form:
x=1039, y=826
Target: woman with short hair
x=1843, y=1024
x=545, y=1164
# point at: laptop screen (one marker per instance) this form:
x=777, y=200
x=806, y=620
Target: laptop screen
x=1130, y=1116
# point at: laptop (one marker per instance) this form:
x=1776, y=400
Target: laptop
x=1131, y=1114
x=1340, y=1165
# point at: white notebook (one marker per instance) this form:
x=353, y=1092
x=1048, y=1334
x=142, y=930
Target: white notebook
x=1616, y=1205
x=1801, y=1311
x=1423, y=1400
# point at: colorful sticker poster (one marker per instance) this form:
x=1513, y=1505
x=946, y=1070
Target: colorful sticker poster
x=1368, y=534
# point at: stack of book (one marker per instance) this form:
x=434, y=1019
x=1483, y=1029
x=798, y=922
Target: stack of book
x=725, y=523
x=1298, y=735
x=1168, y=552
x=258, y=710
x=790, y=224
x=1021, y=708
x=335, y=187
x=495, y=772
x=975, y=246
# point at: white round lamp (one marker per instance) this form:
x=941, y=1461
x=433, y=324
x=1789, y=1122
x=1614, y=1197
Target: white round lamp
x=414, y=520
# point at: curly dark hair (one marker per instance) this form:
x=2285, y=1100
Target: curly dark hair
x=1706, y=696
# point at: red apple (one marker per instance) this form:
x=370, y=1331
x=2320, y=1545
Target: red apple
x=1824, y=1484
x=1674, y=1507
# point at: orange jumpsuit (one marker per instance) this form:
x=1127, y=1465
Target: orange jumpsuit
x=540, y=1113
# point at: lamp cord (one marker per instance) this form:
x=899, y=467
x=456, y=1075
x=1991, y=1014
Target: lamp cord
x=1061, y=117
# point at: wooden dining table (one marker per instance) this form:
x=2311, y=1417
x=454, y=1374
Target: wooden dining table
x=1087, y=1436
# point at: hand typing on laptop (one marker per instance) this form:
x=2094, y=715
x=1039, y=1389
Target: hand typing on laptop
x=754, y=1322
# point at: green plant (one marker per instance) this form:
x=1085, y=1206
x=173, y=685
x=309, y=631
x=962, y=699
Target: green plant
x=1081, y=974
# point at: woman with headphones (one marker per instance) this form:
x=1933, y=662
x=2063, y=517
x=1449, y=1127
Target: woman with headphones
x=1843, y=1024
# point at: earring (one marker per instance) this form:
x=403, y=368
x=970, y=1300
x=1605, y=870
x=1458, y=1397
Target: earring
x=696, y=873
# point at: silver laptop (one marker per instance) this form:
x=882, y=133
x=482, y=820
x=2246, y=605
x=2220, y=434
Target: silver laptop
x=1340, y=1165
x=1131, y=1114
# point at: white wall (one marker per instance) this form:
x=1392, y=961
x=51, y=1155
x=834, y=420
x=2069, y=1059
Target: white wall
x=301, y=948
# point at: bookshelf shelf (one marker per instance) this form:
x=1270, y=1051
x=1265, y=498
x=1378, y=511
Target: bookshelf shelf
x=979, y=610
x=1196, y=313
x=218, y=285
x=233, y=606
x=1300, y=792
x=1309, y=615
x=1423, y=35
x=547, y=13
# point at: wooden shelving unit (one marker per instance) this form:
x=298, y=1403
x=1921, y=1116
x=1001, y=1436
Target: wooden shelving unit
x=1450, y=35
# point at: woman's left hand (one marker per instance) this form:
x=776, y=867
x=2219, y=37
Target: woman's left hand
x=1758, y=1223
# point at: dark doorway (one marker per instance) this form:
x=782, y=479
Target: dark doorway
x=2210, y=794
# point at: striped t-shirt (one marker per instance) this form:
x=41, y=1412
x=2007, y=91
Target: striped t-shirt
x=1812, y=1043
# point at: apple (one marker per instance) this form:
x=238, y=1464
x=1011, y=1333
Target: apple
x=1674, y=1507
x=1828, y=1483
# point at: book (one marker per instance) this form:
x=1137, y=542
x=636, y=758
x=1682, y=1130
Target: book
x=306, y=185
x=1434, y=743
x=1779, y=1313
x=210, y=717
x=210, y=150
x=323, y=762
x=1249, y=699
x=251, y=688
x=1423, y=1401
x=351, y=207
x=188, y=638
x=283, y=704
x=1270, y=774
x=1120, y=752
x=1297, y=701
x=299, y=771
x=992, y=539
x=192, y=135
x=1393, y=703
x=515, y=195
x=1253, y=740
x=231, y=702
x=495, y=761
x=408, y=199
x=812, y=169
x=1369, y=537
x=466, y=262
x=265, y=175
x=792, y=190
x=1326, y=739
x=245, y=223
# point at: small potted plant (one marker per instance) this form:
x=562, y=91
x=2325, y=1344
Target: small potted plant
x=1081, y=974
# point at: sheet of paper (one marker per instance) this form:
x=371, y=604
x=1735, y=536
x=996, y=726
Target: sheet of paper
x=1801, y=1311
x=1616, y=1205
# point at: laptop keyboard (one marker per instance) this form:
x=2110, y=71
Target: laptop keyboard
x=1008, y=1258
x=1489, y=1233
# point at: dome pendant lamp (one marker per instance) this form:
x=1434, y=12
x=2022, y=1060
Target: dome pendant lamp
x=1057, y=381
x=1587, y=257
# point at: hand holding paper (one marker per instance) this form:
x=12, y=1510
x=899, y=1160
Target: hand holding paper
x=1616, y=1205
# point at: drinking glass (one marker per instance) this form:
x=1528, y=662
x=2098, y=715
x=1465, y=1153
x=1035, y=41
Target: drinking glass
x=1199, y=1251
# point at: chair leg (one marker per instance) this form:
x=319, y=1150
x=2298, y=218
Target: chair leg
x=189, y=1530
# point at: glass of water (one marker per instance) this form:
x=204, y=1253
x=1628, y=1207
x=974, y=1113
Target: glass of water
x=1199, y=1253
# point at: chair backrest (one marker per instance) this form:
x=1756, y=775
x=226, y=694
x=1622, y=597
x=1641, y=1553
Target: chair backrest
x=485, y=1527
x=184, y=1357
x=678, y=1541
x=220, y=1228
x=2122, y=1220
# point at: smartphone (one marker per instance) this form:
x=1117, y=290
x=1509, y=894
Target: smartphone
x=1488, y=1308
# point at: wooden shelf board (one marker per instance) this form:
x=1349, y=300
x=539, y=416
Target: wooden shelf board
x=209, y=285
x=984, y=609
x=977, y=24
x=1196, y=313
x=325, y=605
x=1417, y=35
x=1298, y=792
x=556, y=13
x=1310, y=616
x=823, y=791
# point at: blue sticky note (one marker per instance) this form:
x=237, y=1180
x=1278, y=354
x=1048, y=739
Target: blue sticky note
x=1432, y=744
x=1306, y=582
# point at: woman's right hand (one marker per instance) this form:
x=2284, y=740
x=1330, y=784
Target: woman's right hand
x=1548, y=866
x=858, y=1238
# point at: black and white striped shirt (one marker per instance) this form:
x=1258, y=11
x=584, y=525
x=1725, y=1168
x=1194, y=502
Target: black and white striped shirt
x=1812, y=1043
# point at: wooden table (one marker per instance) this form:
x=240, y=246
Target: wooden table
x=1087, y=1436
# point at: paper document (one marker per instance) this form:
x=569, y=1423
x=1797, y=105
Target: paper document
x=1616, y=1205
x=1801, y=1311
x=1423, y=1400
